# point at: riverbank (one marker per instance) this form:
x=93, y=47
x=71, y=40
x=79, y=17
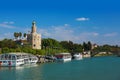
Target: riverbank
x=104, y=54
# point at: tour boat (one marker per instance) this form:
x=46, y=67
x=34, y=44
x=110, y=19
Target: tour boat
x=77, y=56
x=17, y=59
x=63, y=57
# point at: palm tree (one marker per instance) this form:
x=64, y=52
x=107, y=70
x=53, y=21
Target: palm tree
x=25, y=35
x=20, y=34
x=15, y=35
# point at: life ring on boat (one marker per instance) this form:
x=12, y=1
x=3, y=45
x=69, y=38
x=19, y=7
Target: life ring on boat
x=9, y=63
x=0, y=63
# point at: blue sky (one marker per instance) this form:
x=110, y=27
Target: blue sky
x=97, y=21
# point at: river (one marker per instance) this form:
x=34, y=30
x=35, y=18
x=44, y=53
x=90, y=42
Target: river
x=96, y=68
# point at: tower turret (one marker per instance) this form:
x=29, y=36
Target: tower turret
x=33, y=27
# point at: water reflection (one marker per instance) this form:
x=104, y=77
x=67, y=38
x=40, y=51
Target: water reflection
x=6, y=68
x=27, y=72
x=86, y=69
x=18, y=67
x=26, y=66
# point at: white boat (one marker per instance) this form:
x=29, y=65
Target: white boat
x=17, y=59
x=63, y=57
x=77, y=56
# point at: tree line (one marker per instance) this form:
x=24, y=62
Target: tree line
x=52, y=46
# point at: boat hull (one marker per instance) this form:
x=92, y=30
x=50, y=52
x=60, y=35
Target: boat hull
x=11, y=63
x=64, y=60
x=77, y=57
x=64, y=57
x=17, y=59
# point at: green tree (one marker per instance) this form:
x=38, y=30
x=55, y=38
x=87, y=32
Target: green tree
x=7, y=43
x=89, y=45
x=16, y=35
x=20, y=34
x=18, y=50
x=77, y=48
x=5, y=50
x=85, y=47
x=25, y=35
x=50, y=43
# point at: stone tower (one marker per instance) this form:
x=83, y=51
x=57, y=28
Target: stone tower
x=34, y=38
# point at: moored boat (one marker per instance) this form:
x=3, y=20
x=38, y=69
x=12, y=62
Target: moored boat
x=63, y=57
x=17, y=59
x=77, y=56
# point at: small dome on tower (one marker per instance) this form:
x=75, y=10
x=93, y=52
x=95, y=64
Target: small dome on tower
x=33, y=22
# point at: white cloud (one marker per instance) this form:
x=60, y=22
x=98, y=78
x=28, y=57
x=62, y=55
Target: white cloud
x=6, y=35
x=82, y=19
x=95, y=34
x=6, y=22
x=11, y=22
x=6, y=26
x=63, y=32
x=45, y=33
x=66, y=25
x=88, y=34
x=111, y=34
x=58, y=32
x=67, y=33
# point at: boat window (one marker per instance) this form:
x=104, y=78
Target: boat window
x=18, y=56
x=4, y=61
x=13, y=58
x=6, y=57
x=9, y=57
x=0, y=62
x=13, y=61
x=23, y=56
x=2, y=57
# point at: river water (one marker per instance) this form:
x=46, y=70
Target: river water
x=97, y=68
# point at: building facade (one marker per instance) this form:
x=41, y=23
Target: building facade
x=34, y=38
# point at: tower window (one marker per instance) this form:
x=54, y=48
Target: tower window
x=34, y=45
